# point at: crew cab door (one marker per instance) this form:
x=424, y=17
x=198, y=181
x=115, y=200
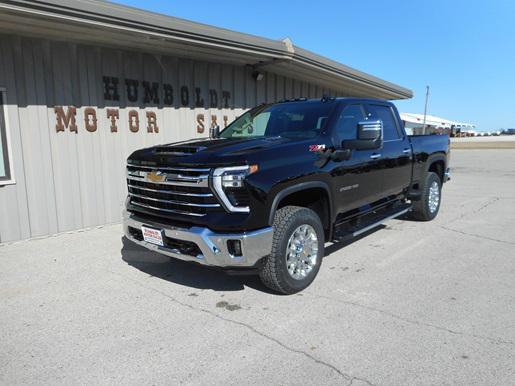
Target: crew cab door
x=358, y=180
x=396, y=157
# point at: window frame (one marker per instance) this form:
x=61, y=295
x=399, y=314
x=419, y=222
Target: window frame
x=5, y=132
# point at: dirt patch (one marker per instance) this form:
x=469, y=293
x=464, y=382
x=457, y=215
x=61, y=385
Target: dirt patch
x=228, y=306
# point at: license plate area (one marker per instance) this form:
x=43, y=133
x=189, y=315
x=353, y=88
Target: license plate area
x=153, y=235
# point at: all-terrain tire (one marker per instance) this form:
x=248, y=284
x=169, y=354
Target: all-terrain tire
x=274, y=272
x=425, y=209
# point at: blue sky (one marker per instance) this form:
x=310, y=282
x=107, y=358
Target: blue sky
x=464, y=50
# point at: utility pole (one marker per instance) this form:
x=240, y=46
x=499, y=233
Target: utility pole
x=425, y=111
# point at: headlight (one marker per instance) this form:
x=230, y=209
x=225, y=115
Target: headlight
x=230, y=179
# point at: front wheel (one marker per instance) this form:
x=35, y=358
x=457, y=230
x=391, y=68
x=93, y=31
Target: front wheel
x=297, y=250
x=427, y=208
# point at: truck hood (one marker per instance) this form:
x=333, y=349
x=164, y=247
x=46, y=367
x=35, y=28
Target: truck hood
x=217, y=152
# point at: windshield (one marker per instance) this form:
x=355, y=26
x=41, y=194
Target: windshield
x=288, y=119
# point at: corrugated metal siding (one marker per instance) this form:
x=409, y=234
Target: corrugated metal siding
x=67, y=181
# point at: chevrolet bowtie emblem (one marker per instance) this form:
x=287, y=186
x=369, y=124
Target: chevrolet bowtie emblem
x=156, y=176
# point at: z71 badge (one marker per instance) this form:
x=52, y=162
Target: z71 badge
x=316, y=147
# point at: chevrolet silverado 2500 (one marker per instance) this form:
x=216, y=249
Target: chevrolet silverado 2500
x=268, y=192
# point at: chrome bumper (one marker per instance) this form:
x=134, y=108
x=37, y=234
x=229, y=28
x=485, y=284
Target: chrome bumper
x=213, y=246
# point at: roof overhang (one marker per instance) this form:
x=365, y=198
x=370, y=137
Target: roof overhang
x=112, y=25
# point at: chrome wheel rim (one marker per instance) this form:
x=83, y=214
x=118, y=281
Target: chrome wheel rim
x=302, y=252
x=434, y=197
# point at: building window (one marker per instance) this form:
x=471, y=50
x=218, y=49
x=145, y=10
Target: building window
x=5, y=162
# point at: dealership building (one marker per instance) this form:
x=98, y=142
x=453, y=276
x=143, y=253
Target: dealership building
x=85, y=83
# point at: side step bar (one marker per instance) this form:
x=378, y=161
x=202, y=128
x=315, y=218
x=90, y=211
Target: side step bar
x=373, y=222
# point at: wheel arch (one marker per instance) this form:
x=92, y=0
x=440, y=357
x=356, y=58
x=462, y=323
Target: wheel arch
x=437, y=164
x=291, y=193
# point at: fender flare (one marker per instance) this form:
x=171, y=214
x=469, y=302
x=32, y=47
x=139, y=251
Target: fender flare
x=414, y=194
x=297, y=188
x=434, y=158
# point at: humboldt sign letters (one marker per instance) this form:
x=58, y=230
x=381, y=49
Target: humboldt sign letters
x=144, y=93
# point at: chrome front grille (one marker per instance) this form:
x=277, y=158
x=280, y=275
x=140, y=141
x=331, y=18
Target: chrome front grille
x=164, y=190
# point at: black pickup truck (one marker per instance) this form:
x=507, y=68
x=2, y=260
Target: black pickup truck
x=264, y=195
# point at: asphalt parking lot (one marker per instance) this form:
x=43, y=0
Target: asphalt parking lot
x=411, y=303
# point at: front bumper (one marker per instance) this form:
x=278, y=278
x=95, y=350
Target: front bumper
x=212, y=247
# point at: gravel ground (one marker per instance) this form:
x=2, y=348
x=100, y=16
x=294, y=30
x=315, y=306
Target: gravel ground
x=408, y=304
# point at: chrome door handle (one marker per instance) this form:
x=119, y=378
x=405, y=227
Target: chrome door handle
x=375, y=156
x=406, y=151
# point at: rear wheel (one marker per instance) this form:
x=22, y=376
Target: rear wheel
x=427, y=208
x=297, y=250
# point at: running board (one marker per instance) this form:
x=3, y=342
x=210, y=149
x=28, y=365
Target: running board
x=374, y=222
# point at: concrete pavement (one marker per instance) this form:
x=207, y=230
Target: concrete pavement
x=411, y=303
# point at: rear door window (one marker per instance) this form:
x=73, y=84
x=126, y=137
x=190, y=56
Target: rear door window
x=390, y=127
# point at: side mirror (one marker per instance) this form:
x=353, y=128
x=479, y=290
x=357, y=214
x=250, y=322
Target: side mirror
x=214, y=132
x=370, y=130
x=369, y=136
